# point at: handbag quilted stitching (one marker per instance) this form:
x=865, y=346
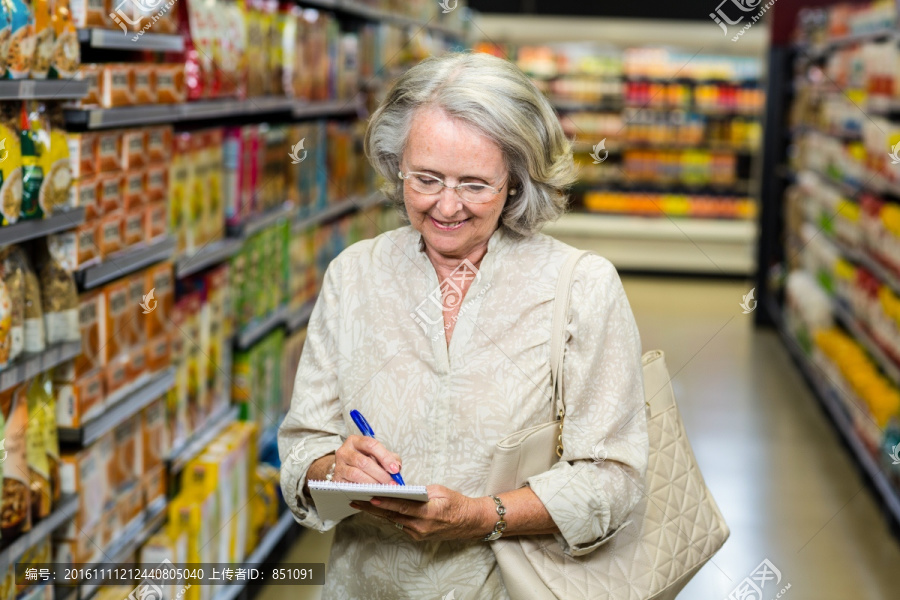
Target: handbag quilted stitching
x=675, y=529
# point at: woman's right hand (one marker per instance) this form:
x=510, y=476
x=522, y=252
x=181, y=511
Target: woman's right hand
x=362, y=459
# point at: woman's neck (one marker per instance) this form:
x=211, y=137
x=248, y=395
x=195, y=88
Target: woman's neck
x=445, y=265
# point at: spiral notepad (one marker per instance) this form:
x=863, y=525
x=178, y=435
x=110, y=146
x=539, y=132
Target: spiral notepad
x=333, y=499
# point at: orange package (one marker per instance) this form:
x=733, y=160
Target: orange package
x=134, y=149
x=157, y=183
x=116, y=85
x=84, y=194
x=114, y=315
x=134, y=227
x=109, y=233
x=169, y=83
x=159, y=144
x=156, y=220
x=109, y=151
x=89, y=323
x=109, y=192
x=161, y=279
x=134, y=190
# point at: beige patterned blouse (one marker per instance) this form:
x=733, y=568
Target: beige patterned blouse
x=376, y=344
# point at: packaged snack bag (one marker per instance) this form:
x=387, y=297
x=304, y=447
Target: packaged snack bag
x=34, y=312
x=11, y=166
x=20, y=51
x=66, y=56
x=36, y=452
x=14, y=280
x=6, y=309
x=45, y=39
x=16, y=514
x=56, y=191
x=35, y=139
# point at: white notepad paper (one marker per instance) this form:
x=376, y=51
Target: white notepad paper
x=333, y=499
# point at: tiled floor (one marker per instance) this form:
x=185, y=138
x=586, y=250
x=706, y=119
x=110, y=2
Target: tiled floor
x=786, y=486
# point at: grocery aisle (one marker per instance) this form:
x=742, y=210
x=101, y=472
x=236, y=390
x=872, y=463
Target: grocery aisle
x=788, y=489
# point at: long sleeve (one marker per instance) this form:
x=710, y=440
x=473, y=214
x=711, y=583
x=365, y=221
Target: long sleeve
x=313, y=426
x=590, y=492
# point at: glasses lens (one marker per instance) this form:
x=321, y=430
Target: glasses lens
x=476, y=192
x=424, y=183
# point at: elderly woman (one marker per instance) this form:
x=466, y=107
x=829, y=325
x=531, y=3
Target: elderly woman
x=439, y=333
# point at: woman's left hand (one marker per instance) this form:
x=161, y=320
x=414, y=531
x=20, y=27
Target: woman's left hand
x=448, y=515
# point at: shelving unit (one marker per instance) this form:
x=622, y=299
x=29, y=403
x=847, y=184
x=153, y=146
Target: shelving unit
x=68, y=506
x=27, y=366
x=216, y=424
x=121, y=405
x=47, y=89
x=23, y=231
x=125, y=262
x=804, y=100
x=108, y=39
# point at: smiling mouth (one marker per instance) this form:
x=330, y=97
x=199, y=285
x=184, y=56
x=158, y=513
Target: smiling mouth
x=448, y=225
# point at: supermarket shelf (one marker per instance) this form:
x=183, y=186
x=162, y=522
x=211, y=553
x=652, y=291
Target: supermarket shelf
x=68, y=506
x=28, y=230
x=260, y=553
x=338, y=209
x=43, y=89
x=358, y=9
x=118, y=40
x=257, y=223
x=27, y=366
x=125, y=262
x=662, y=244
x=819, y=50
x=327, y=108
x=609, y=104
x=209, y=255
x=134, y=535
x=128, y=116
x=207, y=433
x=300, y=317
x=860, y=332
x=830, y=399
x=740, y=188
x=121, y=406
x=700, y=110
x=258, y=329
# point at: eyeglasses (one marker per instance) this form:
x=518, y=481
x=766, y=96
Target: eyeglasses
x=476, y=193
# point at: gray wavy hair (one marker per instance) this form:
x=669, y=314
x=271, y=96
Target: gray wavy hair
x=499, y=101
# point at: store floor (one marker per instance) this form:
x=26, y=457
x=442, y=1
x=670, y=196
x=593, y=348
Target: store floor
x=787, y=488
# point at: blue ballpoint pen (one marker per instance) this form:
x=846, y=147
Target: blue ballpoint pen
x=367, y=431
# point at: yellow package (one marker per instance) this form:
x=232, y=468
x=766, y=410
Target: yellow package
x=38, y=464
x=56, y=190
x=66, y=56
x=10, y=165
x=44, y=39
x=210, y=474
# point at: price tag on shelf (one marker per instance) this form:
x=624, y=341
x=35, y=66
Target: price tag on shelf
x=26, y=88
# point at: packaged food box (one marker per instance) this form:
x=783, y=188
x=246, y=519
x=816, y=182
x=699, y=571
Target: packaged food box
x=84, y=193
x=115, y=378
x=161, y=279
x=83, y=154
x=109, y=192
x=115, y=312
x=83, y=472
x=169, y=83
x=158, y=353
x=157, y=183
x=134, y=227
x=156, y=443
x=109, y=233
x=89, y=312
x=137, y=362
x=116, y=85
x=130, y=503
x=77, y=248
x=153, y=484
x=109, y=151
x=144, y=88
x=156, y=219
x=159, y=144
x=77, y=400
x=16, y=485
x=134, y=149
x=91, y=74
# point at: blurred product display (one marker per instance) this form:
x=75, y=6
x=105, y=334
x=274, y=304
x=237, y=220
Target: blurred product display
x=835, y=291
x=163, y=237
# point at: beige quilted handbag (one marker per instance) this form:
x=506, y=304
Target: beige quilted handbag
x=673, y=531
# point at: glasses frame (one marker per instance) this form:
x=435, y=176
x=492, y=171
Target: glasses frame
x=456, y=188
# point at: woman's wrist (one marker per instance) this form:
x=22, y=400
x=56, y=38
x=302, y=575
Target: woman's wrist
x=317, y=470
x=486, y=517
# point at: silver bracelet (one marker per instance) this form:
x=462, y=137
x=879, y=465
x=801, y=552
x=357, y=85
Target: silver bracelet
x=500, y=527
x=330, y=475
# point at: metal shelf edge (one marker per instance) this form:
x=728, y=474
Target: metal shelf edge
x=125, y=263
x=67, y=508
x=28, y=230
x=210, y=430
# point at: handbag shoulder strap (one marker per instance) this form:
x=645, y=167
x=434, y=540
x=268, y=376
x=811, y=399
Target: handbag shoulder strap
x=558, y=326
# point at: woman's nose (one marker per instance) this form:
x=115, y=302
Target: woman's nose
x=449, y=203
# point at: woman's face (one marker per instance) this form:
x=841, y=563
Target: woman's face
x=452, y=151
